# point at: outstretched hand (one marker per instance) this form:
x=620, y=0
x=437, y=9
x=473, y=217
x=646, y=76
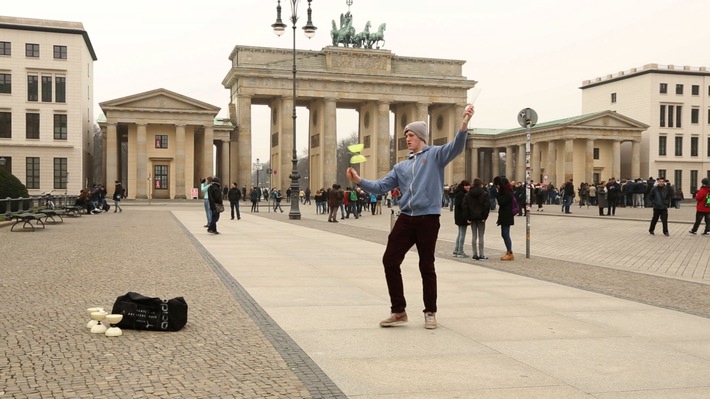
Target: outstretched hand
x=352, y=175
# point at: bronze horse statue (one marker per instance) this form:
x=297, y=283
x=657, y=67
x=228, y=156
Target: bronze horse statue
x=361, y=39
x=377, y=37
x=346, y=33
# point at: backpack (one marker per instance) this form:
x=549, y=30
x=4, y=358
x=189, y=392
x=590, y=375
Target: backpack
x=353, y=196
x=516, y=208
x=707, y=200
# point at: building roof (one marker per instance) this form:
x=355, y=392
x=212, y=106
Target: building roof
x=48, y=25
x=646, y=69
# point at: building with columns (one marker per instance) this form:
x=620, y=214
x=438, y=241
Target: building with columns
x=47, y=92
x=675, y=102
x=586, y=148
x=160, y=144
x=373, y=82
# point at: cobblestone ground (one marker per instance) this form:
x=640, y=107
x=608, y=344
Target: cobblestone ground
x=48, y=278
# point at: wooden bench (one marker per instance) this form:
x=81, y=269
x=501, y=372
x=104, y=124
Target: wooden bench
x=73, y=210
x=26, y=219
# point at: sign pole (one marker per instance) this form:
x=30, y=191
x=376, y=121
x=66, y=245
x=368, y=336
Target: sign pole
x=527, y=119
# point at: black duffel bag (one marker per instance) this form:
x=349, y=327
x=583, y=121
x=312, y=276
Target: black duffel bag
x=143, y=313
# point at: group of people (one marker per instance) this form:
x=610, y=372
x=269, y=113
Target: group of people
x=94, y=199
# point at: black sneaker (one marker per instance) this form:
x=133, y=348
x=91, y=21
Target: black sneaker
x=692, y=232
x=482, y=257
x=705, y=233
x=475, y=257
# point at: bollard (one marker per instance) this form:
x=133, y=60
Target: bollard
x=393, y=218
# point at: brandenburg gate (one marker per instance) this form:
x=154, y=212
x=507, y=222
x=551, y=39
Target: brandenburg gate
x=373, y=82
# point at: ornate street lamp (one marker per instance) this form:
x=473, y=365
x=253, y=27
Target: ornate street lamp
x=310, y=30
x=2, y=161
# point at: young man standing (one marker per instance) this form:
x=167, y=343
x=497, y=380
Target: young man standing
x=660, y=197
x=421, y=180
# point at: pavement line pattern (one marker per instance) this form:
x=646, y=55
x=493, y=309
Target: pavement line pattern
x=314, y=379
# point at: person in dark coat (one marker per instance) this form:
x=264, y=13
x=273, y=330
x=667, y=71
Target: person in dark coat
x=601, y=198
x=234, y=195
x=215, y=198
x=476, y=208
x=459, y=217
x=506, y=218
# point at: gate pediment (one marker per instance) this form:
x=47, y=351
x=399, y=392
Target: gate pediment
x=159, y=100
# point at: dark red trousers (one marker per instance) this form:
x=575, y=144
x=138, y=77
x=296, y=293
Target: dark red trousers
x=423, y=232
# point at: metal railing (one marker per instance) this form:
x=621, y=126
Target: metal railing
x=8, y=206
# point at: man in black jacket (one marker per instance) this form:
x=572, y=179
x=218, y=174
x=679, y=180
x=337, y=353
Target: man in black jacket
x=613, y=190
x=215, y=198
x=234, y=195
x=660, y=196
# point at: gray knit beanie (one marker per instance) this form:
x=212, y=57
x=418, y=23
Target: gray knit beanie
x=419, y=128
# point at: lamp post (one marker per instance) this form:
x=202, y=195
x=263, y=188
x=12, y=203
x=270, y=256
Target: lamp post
x=310, y=30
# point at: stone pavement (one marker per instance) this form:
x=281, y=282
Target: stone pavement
x=283, y=308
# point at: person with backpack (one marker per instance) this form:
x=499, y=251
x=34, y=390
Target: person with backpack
x=476, y=208
x=215, y=203
x=277, y=200
x=506, y=213
x=702, y=209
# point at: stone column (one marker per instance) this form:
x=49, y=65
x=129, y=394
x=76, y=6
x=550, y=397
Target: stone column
x=635, y=160
x=111, y=154
x=495, y=162
x=383, y=139
x=509, y=163
x=535, y=156
x=244, y=142
x=569, y=161
x=141, y=163
x=329, y=145
x=207, y=152
x=589, y=162
x=224, y=164
x=473, y=164
x=286, y=142
x=551, y=163
x=616, y=159
x=423, y=115
x=180, y=180
x=520, y=170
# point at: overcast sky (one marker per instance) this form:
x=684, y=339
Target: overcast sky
x=523, y=53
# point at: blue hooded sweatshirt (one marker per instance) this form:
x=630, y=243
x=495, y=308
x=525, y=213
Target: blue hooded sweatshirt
x=420, y=178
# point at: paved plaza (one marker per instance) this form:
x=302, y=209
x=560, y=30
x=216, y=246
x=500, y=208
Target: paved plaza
x=289, y=309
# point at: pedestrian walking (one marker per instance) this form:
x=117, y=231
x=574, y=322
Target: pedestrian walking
x=506, y=215
x=418, y=224
x=117, y=195
x=476, y=208
x=460, y=219
x=702, y=208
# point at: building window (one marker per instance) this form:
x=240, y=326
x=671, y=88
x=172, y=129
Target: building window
x=161, y=177
x=663, y=88
x=5, y=83
x=596, y=153
x=60, y=127
x=679, y=89
x=662, y=143
x=679, y=146
x=31, y=50
x=677, y=178
x=46, y=89
x=5, y=125
x=694, y=115
x=693, y=180
x=695, y=90
x=5, y=48
x=662, y=122
x=708, y=147
x=32, y=88
x=60, y=52
x=161, y=141
x=694, y=144
x=60, y=173
x=671, y=114
x=60, y=89
x=32, y=172
x=32, y=126
x=661, y=173
x=613, y=98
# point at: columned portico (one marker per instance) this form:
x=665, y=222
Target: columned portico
x=168, y=141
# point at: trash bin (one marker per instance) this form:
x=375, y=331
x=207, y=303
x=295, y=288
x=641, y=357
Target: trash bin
x=393, y=218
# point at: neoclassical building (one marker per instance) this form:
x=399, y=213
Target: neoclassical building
x=159, y=144
x=586, y=148
x=373, y=82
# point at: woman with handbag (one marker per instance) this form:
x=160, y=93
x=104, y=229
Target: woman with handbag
x=216, y=204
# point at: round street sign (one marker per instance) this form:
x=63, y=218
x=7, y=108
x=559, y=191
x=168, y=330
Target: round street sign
x=527, y=116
